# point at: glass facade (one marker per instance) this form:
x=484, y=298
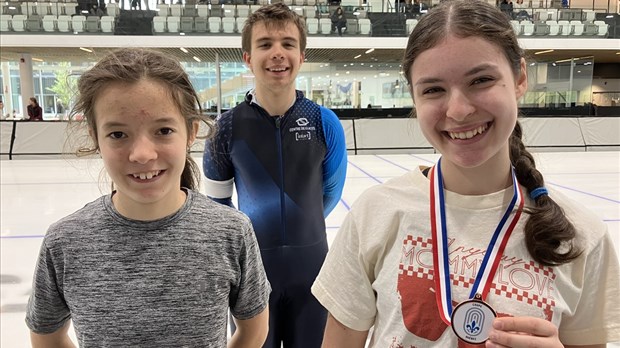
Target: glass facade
x=342, y=85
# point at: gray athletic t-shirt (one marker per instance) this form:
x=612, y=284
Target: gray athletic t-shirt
x=163, y=283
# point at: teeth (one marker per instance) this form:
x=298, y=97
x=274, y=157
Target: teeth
x=469, y=134
x=147, y=175
x=277, y=69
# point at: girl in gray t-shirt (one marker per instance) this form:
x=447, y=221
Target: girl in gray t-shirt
x=155, y=263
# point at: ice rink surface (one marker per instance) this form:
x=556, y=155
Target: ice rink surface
x=36, y=193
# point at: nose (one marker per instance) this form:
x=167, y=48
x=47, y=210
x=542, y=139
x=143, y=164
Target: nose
x=142, y=150
x=459, y=106
x=277, y=52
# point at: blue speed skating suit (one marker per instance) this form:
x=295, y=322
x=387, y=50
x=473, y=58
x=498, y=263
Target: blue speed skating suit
x=289, y=173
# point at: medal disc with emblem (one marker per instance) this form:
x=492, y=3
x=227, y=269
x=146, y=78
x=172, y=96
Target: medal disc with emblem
x=472, y=320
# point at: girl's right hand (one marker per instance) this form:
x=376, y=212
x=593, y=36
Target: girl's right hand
x=516, y=332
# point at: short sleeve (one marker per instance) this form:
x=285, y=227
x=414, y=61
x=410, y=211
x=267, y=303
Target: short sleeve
x=344, y=284
x=47, y=310
x=597, y=314
x=251, y=296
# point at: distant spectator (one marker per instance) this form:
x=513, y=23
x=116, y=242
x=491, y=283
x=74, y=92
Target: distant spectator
x=136, y=5
x=35, y=112
x=519, y=11
x=96, y=11
x=413, y=9
x=506, y=7
x=339, y=21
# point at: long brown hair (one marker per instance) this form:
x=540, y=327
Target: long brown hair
x=549, y=234
x=131, y=65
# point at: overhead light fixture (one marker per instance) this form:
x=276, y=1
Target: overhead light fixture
x=541, y=52
x=183, y=49
x=370, y=50
x=182, y=33
x=359, y=55
x=37, y=59
x=86, y=49
x=566, y=60
x=197, y=59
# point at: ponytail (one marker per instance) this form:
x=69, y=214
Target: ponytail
x=190, y=178
x=548, y=233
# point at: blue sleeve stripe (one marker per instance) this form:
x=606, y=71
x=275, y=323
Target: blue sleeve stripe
x=335, y=162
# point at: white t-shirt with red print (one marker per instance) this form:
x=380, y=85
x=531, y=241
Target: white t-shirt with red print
x=379, y=270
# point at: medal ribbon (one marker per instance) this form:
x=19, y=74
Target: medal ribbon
x=492, y=256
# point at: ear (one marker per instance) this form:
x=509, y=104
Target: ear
x=193, y=133
x=521, y=83
x=93, y=136
x=247, y=58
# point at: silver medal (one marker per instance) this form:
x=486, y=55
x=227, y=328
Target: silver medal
x=472, y=320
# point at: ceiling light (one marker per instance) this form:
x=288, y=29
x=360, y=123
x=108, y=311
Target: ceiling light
x=566, y=60
x=86, y=49
x=541, y=52
x=183, y=49
x=359, y=55
x=197, y=59
x=370, y=50
x=37, y=59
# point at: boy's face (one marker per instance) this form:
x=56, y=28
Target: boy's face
x=275, y=56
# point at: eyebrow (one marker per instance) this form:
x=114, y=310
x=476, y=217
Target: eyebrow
x=268, y=39
x=160, y=120
x=475, y=70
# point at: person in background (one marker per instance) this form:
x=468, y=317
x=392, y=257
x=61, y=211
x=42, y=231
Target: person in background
x=286, y=156
x=475, y=249
x=35, y=112
x=155, y=263
x=506, y=7
x=339, y=21
x=520, y=10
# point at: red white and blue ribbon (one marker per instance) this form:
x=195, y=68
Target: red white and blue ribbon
x=492, y=256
